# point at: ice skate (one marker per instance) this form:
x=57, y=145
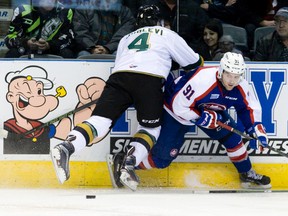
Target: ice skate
x=115, y=163
x=128, y=176
x=252, y=180
x=60, y=156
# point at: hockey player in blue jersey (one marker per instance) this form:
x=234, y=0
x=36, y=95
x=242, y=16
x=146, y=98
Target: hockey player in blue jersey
x=202, y=97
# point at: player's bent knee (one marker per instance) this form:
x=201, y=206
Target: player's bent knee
x=154, y=162
x=160, y=163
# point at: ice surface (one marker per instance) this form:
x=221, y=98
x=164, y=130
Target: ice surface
x=143, y=202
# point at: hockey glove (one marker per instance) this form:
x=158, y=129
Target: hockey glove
x=258, y=132
x=209, y=119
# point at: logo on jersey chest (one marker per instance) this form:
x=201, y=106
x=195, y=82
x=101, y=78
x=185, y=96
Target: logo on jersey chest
x=213, y=106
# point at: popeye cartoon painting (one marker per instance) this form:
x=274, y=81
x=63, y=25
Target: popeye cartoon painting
x=30, y=104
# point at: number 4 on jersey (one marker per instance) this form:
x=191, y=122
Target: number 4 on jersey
x=141, y=43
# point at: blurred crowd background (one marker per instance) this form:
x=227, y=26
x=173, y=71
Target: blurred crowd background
x=90, y=28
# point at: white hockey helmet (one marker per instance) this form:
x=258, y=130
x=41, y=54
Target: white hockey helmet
x=232, y=63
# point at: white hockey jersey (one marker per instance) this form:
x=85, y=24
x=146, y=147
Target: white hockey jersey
x=149, y=50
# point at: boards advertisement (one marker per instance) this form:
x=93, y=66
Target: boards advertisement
x=36, y=92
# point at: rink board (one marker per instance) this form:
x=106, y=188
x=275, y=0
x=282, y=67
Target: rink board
x=22, y=174
x=202, y=163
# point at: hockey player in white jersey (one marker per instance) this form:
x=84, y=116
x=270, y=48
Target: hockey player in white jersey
x=202, y=97
x=142, y=64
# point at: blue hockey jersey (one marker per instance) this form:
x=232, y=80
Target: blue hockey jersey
x=190, y=94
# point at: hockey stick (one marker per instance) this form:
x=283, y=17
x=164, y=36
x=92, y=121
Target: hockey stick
x=229, y=128
x=4, y=133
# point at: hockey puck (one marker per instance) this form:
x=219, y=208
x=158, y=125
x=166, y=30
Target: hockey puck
x=90, y=196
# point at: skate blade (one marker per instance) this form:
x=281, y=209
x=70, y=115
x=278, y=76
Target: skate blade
x=124, y=179
x=60, y=173
x=109, y=160
x=253, y=186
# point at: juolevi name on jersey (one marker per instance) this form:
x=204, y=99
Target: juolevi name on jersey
x=269, y=84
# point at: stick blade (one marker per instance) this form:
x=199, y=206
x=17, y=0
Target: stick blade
x=109, y=160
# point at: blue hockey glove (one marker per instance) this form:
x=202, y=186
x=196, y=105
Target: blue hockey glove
x=209, y=119
x=258, y=132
